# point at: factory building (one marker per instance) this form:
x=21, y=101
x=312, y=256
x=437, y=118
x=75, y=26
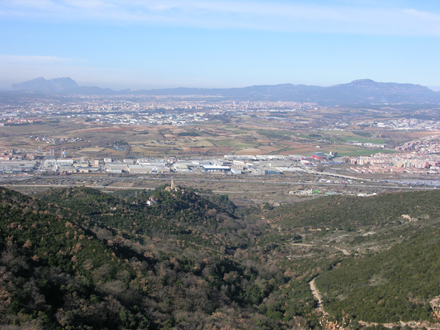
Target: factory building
x=318, y=155
x=216, y=168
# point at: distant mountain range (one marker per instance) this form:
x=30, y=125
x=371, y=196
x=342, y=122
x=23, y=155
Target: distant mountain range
x=56, y=85
x=358, y=92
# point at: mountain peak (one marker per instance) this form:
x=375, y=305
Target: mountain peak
x=363, y=81
x=43, y=85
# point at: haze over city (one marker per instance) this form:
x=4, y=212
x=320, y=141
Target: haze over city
x=161, y=44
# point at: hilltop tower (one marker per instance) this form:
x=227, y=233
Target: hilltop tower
x=172, y=187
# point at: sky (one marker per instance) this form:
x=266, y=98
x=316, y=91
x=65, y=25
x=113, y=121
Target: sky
x=146, y=44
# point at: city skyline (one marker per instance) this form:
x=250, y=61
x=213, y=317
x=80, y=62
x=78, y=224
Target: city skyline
x=146, y=45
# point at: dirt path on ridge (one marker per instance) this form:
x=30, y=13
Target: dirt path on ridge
x=317, y=296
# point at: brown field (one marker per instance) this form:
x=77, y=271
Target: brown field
x=418, y=135
x=250, y=151
x=253, y=136
x=268, y=149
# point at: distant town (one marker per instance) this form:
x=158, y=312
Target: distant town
x=416, y=157
x=200, y=136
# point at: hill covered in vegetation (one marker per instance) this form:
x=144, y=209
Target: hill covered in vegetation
x=353, y=213
x=387, y=270
x=395, y=285
x=68, y=267
x=84, y=259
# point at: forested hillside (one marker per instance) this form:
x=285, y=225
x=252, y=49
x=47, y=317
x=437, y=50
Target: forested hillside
x=67, y=267
x=81, y=259
x=55, y=273
x=183, y=215
x=352, y=213
x=395, y=285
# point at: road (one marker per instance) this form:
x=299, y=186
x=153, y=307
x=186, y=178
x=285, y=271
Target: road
x=99, y=187
x=74, y=185
x=265, y=182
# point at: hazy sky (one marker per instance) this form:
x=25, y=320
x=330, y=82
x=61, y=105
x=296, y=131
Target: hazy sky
x=219, y=43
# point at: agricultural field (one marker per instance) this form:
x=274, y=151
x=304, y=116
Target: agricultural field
x=263, y=134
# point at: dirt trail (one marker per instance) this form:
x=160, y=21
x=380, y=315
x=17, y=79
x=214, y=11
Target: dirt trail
x=302, y=244
x=317, y=296
x=413, y=324
x=344, y=251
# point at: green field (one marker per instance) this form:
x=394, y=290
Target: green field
x=366, y=152
x=231, y=143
